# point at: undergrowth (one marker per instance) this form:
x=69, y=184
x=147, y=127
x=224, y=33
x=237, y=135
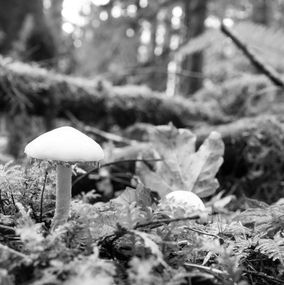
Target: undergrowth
x=135, y=239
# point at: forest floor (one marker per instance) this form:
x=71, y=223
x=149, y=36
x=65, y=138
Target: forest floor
x=140, y=236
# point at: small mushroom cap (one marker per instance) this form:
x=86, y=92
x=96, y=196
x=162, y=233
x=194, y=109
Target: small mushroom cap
x=64, y=144
x=185, y=199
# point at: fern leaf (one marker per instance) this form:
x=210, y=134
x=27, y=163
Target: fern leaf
x=273, y=248
x=265, y=221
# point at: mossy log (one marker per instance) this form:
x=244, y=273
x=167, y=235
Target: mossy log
x=36, y=91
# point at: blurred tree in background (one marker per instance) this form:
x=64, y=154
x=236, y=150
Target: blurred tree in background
x=164, y=44
x=25, y=32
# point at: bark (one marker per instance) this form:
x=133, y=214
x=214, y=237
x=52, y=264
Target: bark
x=24, y=88
x=195, y=14
x=12, y=15
x=55, y=15
x=37, y=43
x=262, y=11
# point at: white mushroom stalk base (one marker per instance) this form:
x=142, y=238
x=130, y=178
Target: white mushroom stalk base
x=63, y=195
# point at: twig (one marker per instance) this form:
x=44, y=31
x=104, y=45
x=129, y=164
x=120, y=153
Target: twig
x=11, y=193
x=105, y=135
x=41, y=197
x=205, y=268
x=112, y=163
x=264, y=275
x=269, y=72
x=7, y=230
x=182, y=73
x=13, y=201
x=109, y=136
x=202, y=232
x=13, y=254
x=1, y=204
x=166, y=221
x=35, y=216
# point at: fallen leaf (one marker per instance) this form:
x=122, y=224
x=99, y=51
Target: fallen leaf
x=181, y=167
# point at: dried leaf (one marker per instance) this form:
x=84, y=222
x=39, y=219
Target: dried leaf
x=182, y=168
x=202, y=166
x=141, y=195
x=174, y=145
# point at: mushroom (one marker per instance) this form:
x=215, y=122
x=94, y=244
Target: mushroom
x=65, y=146
x=187, y=200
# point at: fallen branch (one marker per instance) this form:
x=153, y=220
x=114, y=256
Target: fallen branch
x=166, y=221
x=110, y=164
x=101, y=135
x=269, y=72
x=202, y=232
x=36, y=91
x=205, y=268
x=264, y=276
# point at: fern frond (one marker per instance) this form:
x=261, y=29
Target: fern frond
x=273, y=248
x=10, y=174
x=265, y=221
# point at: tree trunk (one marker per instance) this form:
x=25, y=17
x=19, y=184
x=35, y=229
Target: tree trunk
x=37, y=44
x=195, y=15
x=40, y=43
x=262, y=11
x=55, y=15
x=12, y=15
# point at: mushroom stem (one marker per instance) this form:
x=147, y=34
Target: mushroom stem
x=63, y=195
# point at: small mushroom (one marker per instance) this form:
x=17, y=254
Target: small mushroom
x=65, y=146
x=185, y=199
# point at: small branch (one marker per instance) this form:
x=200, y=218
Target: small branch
x=7, y=230
x=11, y=193
x=205, y=268
x=109, y=164
x=264, y=275
x=13, y=201
x=41, y=197
x=99, y=133
x=2, y=204
x=108, y=136
x=14, y=255
x=149, y=70
x=166, y=221
x=202, y=232
x=269, y=72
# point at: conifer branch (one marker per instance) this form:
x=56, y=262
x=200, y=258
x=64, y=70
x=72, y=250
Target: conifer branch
x=269, y=72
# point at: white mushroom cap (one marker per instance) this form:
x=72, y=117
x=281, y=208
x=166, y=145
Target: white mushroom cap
x=185, y=199
x=64, y=144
